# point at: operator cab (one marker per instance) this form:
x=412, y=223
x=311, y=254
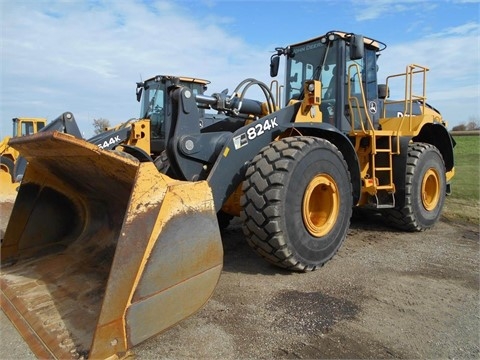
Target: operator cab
x=152, y=94
x=335, y=59
x=27, y=126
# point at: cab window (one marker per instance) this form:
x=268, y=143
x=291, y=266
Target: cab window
x=27, y=128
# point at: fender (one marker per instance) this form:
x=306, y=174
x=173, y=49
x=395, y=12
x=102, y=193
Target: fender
x=438, y=135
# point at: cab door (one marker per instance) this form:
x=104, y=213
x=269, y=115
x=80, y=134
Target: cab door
x=362, y=95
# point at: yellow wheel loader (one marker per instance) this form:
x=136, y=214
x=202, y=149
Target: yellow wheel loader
x=8, y=155
x=144, y=138
x=104, y=250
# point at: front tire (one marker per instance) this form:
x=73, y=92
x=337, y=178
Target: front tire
x=162, y=163
x=297, y=202
x=125, y=155
x=7, y=165
x=425, y=190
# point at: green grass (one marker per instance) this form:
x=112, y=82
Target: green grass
x=464, y=202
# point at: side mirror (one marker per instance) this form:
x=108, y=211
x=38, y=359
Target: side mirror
x=356, y=47
x=139, y=93
x=274, y=64
x=383, y=91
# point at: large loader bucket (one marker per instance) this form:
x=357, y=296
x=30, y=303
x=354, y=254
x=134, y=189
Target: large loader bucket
x=102, y=252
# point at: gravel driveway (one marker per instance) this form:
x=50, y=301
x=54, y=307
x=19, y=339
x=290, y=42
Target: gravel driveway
x=386, y=294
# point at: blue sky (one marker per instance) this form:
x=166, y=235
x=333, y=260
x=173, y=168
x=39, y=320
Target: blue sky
x=86, y=56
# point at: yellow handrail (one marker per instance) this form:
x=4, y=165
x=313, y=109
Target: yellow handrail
x=410, y=97
x=355, y=99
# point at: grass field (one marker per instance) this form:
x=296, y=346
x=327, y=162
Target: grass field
x=464, y=203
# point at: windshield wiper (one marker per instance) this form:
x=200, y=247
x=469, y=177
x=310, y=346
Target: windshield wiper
x=317, y=73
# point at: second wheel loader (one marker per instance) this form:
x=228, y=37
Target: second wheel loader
x=8, y=155
x=104, y=250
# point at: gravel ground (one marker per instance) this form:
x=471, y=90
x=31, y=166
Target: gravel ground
x=386, y=294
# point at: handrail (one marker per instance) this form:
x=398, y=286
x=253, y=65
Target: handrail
x=355, y=99
x=278, y=92
x=410, y=97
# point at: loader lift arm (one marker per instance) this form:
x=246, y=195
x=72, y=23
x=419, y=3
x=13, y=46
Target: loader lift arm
x=220, y=157
x=65, y=123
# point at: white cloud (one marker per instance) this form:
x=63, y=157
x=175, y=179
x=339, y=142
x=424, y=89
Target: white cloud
x=85, y=57
x=374, y=9
x=453, y=58
x=464, y=29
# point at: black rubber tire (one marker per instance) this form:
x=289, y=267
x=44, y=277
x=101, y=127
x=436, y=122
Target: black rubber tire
x=125, y=155
x=272, y=201
x=223, y=219
x=422, y=159
x=9, y=164
x=19, y=169
x=162, y=163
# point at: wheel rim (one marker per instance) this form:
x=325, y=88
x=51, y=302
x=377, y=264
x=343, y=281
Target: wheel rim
x=320, y=205
x=430, y=189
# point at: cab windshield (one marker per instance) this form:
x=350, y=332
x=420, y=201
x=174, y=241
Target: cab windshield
x=25, y=127
x=310, y=61
x=153, y=104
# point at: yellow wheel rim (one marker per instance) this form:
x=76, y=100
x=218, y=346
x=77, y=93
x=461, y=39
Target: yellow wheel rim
x=321, y=203
x=430, y=189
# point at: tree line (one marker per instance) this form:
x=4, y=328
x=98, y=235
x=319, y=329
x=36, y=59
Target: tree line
x=472, y=124
x=101, y=124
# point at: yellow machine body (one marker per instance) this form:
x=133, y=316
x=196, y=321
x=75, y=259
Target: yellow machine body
x=103, y=250
x=8, y=155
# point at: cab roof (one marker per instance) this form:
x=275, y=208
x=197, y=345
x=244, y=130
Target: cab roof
x=378, y=45
x=185, y=79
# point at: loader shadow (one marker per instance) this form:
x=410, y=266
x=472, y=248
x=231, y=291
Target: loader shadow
x=370, y=220
x=240, y=257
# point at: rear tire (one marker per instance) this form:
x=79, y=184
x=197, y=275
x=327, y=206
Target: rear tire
x=425, y=190
x=297, y=202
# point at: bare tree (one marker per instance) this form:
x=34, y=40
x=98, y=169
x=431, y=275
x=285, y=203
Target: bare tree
x=100, y=125
x=472, y=124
